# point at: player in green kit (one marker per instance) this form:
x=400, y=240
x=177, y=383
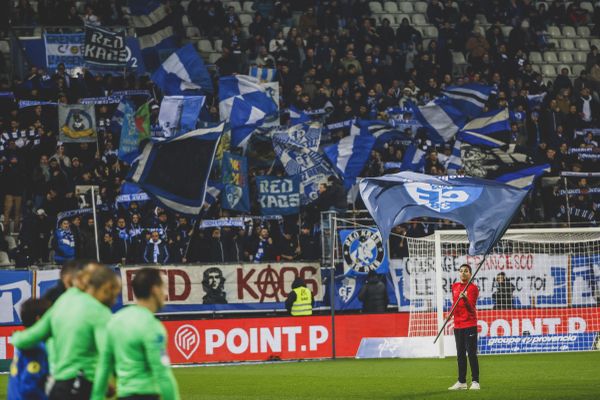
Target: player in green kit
x=136, y=345
x=76, y=323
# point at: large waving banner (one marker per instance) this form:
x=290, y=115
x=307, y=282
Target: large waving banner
x=278, y=196
x=104, y=48
x=230, y=286
x=77, y=123
x=65, y=48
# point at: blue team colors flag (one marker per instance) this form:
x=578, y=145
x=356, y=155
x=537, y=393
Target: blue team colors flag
x=278, y=196
x=263, y=74
x=485, y=208
x=175, y=171
x=235, y=183
x=524, y=178
x=441, y=119
x=470, y=98
x=182, y=72
x=129, y=142
x=364, y=251
x=490, y=129
x=350, y=155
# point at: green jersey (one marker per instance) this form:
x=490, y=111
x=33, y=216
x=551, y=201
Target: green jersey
x=136, y=351
x=77, y=323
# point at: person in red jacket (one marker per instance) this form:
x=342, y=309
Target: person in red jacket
x=465, y=329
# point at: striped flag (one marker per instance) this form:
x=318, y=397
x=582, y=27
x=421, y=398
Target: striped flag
x=153, y=29
x=490, y=129
x=213, y=190
x=182, y=72
x=524, y=179
x=455, y=159
x=470, y=98
x=263, y=74
x=414, y=159
x=441, y=119
x=350, y=155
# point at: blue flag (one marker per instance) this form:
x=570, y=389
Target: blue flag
x=213, y=190
x=414, y=159
x=455, y=159
x=470, y=98
x=263, y=74
x=297, y=116
x=129, y=142
x=363, y=251
x=278, y=196
x=485, y=208
x=175, y=172
x=441, y=119
x=490, y=129
x=182, y=72
x=349, y=156
x=245, y=104
x=179, y=114
x=235, y=183
x=153, y=28
x=524, y=178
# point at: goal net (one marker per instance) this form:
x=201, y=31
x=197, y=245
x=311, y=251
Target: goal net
x=539, y=289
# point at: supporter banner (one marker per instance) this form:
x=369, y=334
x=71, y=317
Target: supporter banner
x=278, y=196
x=35, y=103
x=7, y=96
x=235, y=194
x=347, y=289
x=272, y=90
x=230, y=286
x=15, y=288
x=100, y=100
x=537, y=343
x=138, y=197
x=538, y=279
x=577, y=192
x=212, y=223
x=105, y=48
x=134, y=92
x=66, y=48
x=363, y=251
x=77, y=123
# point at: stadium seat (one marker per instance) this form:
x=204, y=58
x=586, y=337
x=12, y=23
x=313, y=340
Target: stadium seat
x=479, y=28
x=205, y=46
x=458, y=58
x=218, y=45
x=535, y=57
x=407, y=7
x=554, y=32
x=248, y=6
x=565, y=57
x=506, y=30
x=421, y=7
x=431, y=32
x=580, y=57
x=185, y=4
x=550, y=57
x=567, y=44
x=286, y=30
x=400, y=17
x=583, y=31
x=560, y=68
x=389, y=17
x=419, y=19
x=4, y=47
x=577, y=70
x=245, y=19
x=481, y=18
x=185, y=21
x=236, y=6
x=595, y=42
x=390, y=6
x=548, y=71
x=536, y=68
x=375, y=7
x=192, y=32
x=213, y=57
x=586, y=5
x=583, y=44
x=568, y=31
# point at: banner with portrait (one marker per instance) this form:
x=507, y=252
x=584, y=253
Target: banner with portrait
x=77, y=123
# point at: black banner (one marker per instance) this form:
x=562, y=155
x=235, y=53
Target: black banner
x=104, y=48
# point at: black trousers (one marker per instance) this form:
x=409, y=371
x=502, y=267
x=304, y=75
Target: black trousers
x=141, y=397
x=68, y=390
x=466, y=342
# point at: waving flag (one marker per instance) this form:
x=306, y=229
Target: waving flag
x=441, y=119
x=297, y=116
x=350, y=155
x=175, y=172
x=484, y=207
x=524, y=178
x=182, y=72
x=455, y=159
x=245, y=105
x=382, y=131
x=153, y=29
x=470, y=98
x=128, y=145
x=414, y=159
x=179, y=114
x=490, y=129
x=213, y=190
x=142, y=122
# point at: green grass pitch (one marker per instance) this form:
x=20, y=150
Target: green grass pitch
x=531, y=376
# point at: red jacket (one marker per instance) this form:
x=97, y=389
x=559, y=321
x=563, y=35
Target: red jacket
x=463, y=318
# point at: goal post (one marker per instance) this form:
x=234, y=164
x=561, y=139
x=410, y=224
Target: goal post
x=539, y=289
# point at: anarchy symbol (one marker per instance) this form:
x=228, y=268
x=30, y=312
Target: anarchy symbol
x=268, y=279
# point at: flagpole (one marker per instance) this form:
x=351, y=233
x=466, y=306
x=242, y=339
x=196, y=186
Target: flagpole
x=95, y=224
x=187, y=248
x=459, y=298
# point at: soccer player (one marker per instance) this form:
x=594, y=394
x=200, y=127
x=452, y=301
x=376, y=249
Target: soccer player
x=29, y=368
x=77, y=323
x=465, y=329
x=136, y=346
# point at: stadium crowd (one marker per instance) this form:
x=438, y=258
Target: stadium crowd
x=336, y=51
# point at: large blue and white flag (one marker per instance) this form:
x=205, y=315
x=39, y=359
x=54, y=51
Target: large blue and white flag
x=470, y=98
x=414, y=159
x=455, y=160
x=296, y=148
x=175, y=172
x=153, y=28
x=524, y=178
x=442, y=120
x=490, y=129
x=350, y=155
x=179, y=114
x=485, y=208
x=263, y=74
x=129, y=141
x=183, y=72
x=245, y=104
x=382, y=131
x=116, y=122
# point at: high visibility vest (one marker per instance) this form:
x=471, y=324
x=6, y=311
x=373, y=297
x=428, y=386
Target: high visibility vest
x=303, y=303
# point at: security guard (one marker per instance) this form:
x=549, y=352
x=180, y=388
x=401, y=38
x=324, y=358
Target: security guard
x=300, y=300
